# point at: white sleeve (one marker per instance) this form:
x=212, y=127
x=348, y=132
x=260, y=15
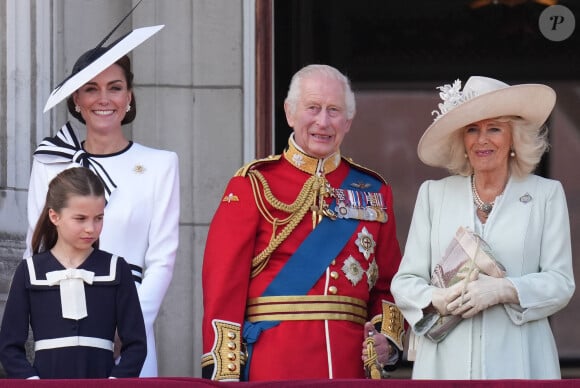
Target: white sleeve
x=547, y=291
x=411, y=284
x=163, y=241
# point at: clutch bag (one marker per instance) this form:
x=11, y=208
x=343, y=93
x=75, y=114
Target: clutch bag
x=466, y=252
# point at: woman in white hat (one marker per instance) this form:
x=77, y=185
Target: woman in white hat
x=141, y=221
x=490, y=136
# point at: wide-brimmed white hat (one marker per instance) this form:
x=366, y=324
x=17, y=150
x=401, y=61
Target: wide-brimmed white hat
x=481, y=98
x=106, y=58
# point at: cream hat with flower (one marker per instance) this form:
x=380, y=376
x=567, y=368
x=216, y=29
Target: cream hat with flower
x=481, y=98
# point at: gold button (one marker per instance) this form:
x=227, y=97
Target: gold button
x=231, y=356
x=232, y=345
x=231, y=367
x=231, y=335
x=334, y=275
x=332, y=289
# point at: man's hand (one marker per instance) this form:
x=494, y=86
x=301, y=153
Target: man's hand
x=382, y=347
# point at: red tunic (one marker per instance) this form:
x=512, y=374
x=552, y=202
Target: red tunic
x=295, y=349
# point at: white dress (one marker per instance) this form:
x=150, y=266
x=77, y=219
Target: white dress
x=141, y=221
x=528, y=232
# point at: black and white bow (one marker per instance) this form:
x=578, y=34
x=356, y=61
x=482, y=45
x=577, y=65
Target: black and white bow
x=65, y=147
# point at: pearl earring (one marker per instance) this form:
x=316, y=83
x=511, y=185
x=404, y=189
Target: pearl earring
x=77, y=109
x=465, y=155
x=512, y=153
x=128, y=108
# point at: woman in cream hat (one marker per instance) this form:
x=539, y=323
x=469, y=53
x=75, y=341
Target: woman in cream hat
x=141, y=221
x=490, y=136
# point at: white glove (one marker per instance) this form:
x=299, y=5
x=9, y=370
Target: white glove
x=484, y=292
x=441, y=297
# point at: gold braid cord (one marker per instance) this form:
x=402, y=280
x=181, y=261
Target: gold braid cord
x=311, y=197
x=371, y=364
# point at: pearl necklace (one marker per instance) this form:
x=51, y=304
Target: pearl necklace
x=485, y=207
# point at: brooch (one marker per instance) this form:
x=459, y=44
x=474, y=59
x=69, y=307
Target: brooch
x=139, y=169
x=353, y=270
x=360, y=185
x=231, y=197
x=372, y=274
x=525, y=198
x=365, y=243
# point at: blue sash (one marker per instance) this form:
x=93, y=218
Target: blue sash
x=328, y=239
x=304, y=268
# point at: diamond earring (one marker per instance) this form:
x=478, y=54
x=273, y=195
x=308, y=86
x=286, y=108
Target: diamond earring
x=77, y=109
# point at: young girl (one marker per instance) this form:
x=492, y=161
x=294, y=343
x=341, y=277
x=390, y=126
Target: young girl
x=73, y=295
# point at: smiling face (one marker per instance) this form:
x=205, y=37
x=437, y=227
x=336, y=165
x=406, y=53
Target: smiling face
x=79, y=224
x=104, y=99
x=319, y=121
x=487, y=144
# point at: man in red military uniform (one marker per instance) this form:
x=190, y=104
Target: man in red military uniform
x=300, y=254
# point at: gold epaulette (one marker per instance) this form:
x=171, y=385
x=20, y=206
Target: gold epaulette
x=365, y=169
x=243, y=171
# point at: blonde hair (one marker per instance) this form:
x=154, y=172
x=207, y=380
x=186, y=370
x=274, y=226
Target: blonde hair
x=529, y=144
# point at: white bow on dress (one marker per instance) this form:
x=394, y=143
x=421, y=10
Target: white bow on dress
x=72, y=290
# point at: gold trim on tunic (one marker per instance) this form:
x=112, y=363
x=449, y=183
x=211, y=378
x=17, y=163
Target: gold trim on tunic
x=309, y=164
x=393, y=324
x=307, y=307
x=227, y=354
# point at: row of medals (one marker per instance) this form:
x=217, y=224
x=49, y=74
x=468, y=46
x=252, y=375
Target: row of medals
x=360, y=205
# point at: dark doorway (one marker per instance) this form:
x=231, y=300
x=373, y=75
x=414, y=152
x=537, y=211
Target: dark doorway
x=380, y=43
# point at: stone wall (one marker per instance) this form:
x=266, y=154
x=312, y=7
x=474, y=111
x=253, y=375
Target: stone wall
x=193, y=93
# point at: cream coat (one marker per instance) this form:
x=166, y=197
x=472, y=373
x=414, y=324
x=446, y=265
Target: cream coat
x=532, y=240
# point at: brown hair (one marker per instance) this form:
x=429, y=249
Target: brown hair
x=124, y=62
x=70, y=182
